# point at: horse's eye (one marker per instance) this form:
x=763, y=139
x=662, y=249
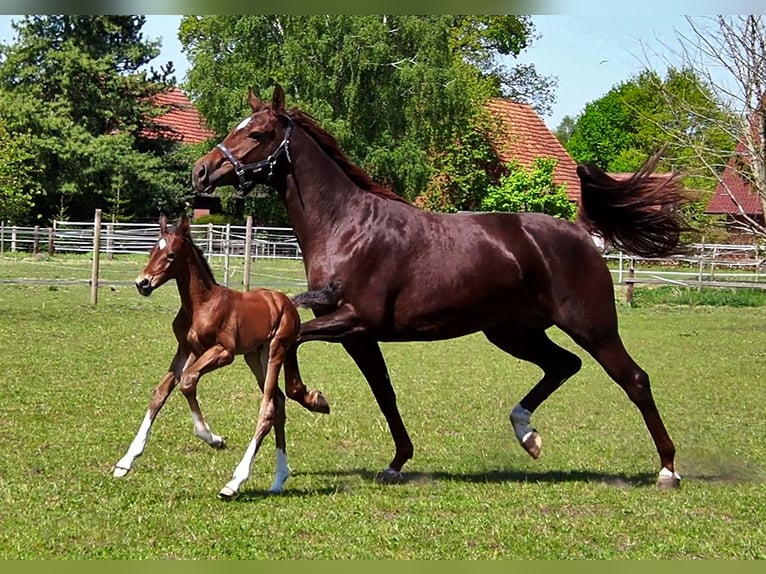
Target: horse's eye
x=255, y=136
x=171, y=256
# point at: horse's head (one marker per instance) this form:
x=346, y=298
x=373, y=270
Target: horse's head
x=249, y=154
x=164, y=258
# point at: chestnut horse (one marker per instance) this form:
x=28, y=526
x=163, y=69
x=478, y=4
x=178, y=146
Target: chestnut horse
x=213, y=325
x=380, y=269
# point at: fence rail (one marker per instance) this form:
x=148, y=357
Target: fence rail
x=702, y=265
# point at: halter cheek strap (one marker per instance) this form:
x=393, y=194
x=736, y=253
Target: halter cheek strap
x=243, y=170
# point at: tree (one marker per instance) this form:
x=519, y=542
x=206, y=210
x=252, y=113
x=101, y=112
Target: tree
x=399, y=92
x=17, y=174
x=565, y=129
x=72, y=85
x=729, y=53
x=530, y=190
x=631, y=122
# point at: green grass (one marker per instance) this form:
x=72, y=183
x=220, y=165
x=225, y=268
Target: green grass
x=75, y=381
x=711, y=296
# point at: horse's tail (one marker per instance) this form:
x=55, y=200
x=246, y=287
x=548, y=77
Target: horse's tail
x=326, y=298
x=640, y=215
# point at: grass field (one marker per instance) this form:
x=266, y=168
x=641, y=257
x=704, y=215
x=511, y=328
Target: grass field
x=75, y=381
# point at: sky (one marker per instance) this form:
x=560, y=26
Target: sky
x=588, y=54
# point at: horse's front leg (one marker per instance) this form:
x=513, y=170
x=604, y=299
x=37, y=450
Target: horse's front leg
x=159, y=396
x=365, y=351
x=346, y=327
x=332, y=327
x=212, y=359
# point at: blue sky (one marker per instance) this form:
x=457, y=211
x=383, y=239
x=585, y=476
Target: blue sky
x=588, y=54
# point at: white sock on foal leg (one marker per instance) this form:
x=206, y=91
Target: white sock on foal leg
x=282, y=473
x=135, y=449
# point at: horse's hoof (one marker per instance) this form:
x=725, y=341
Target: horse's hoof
x=668, y=480
x=219, y=444
x=119, y=472
x=533, y=443
x=389, y=476
x=226, y=493
x=317, y=403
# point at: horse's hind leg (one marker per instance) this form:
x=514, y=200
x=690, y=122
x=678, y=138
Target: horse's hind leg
x=265, y=365
x=635, y=382
x=557, y=364
x=312, y=400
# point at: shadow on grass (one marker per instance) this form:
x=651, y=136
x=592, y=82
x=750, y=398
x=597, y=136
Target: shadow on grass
x=500, y=476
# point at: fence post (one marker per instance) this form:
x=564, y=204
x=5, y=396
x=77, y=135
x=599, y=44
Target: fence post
x=36, y=241
x=248, y=248
x=51, y=245
x=226, y=240
x=96, y=252
x=209, y=240
x=13, y=239
x=631, y=284
x=110, y=241
x=2, y=237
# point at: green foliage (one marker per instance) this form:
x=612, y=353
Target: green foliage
x=530, y=190
x=17, y=177
x=636, y=118
x=397, y=91
x=708, y=296
x=72, y=83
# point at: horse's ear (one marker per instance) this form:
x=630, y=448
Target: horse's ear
x=163, y=223
x=278, y=99
x=253, y=100
x=183, y=225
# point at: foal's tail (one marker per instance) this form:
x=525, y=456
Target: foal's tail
x=640, y=215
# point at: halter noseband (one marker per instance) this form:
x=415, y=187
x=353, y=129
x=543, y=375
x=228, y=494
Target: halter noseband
x=242, y=170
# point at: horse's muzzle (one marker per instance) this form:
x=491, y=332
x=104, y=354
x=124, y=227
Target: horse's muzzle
x=144, y=286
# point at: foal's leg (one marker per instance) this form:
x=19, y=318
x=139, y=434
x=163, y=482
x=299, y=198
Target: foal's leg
x=312, y=400
x=557, y=364
x=266, y=365
x=159, y=396
x=212, y=359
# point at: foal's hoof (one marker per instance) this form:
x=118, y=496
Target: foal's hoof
x=389, y=476
x=317, y=403
x=226, y=493
x=219, y=443
x=533, y=443
x=668, y=480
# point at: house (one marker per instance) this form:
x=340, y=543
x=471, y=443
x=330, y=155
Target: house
x=183, y=121
x=721, y=202
x=523, y=136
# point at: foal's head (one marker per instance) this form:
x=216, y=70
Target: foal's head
x=249, y=154
x=165, y=257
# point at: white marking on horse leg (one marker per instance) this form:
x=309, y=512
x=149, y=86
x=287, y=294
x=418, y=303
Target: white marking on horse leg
x=136, y=447
x=282, y=473
x=527, y=436
x=668, y=479
x=241, y=472
x=202, y=430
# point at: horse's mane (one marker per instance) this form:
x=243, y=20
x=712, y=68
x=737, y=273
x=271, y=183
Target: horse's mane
x=197, y=252
x=329, y=145
x=201, y=257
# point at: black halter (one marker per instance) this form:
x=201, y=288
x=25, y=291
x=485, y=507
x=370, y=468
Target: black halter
x=242, y=170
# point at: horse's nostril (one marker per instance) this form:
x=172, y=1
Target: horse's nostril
x=202, y=172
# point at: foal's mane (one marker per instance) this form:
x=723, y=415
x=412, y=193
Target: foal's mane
x=197, y=252
x=329, y=145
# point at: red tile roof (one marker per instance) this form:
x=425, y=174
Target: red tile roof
x=183, y=120
x=722, y=203
x=525, y=137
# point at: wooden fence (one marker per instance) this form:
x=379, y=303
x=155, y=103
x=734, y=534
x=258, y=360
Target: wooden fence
x=703, y=265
